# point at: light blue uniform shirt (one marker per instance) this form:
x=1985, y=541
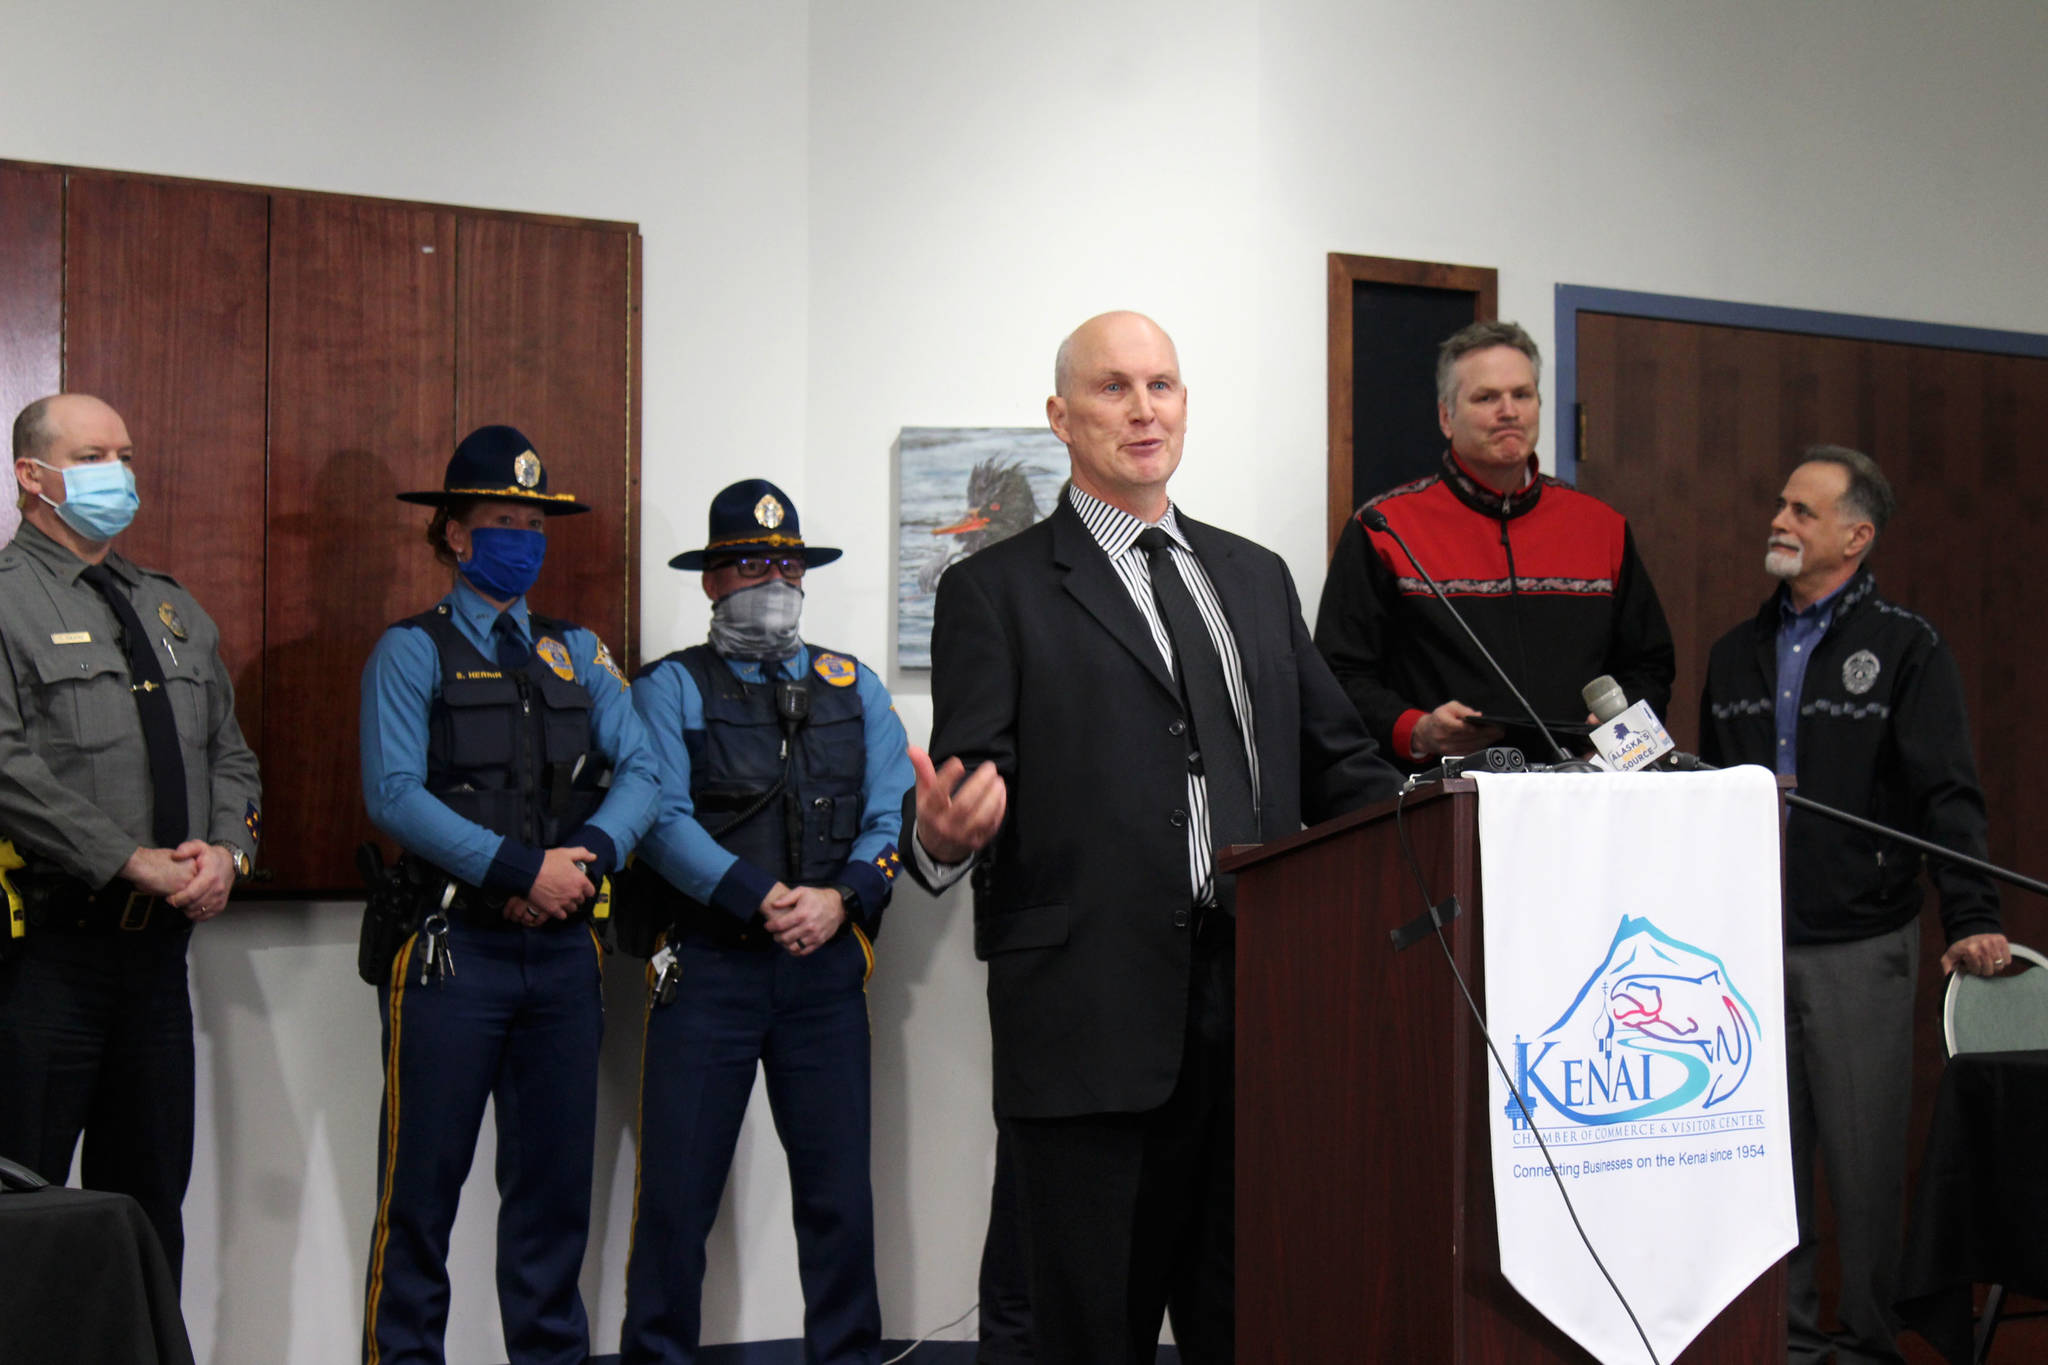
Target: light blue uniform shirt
x=400, y=684
x=689, y=859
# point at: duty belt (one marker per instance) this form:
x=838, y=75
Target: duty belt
x=55, y=903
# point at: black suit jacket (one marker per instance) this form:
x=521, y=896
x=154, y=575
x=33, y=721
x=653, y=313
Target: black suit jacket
x=1042, y=664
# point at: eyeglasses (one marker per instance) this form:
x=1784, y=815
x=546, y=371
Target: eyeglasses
x=757, y=566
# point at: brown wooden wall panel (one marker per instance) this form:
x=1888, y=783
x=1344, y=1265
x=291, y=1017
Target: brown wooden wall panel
x=164, y=319
x=362, y=344
x=287, y=362
x=542, y=344
x=31, y=298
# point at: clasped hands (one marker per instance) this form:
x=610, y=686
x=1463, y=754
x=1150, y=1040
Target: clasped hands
x=194, y=877
x=558, y=889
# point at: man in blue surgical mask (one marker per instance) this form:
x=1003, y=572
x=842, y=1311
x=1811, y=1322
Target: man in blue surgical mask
x=128, y=810
x=783, y=770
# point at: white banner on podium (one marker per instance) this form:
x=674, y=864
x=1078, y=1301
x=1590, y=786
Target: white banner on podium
x=1635, y=989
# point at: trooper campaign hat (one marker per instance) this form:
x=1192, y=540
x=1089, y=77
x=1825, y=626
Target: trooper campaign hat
x=499, y=463
x=753, y=517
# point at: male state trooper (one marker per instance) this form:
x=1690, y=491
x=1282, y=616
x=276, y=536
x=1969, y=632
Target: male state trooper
x=129, y=802
x=783, y=770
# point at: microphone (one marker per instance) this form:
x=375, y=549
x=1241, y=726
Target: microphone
x=1375, y=520
x=1631, y=737
x=1604, y=698
x=1628, y=737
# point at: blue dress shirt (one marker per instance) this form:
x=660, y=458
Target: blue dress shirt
x=1798, y=633
x=400, y=684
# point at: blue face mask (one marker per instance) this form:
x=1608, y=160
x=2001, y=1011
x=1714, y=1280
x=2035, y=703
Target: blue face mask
x=504, y=560
x=99, y=498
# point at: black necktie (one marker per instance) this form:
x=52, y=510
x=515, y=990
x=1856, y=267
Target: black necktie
x=1218, y=750
x=512, y=650
x=153, y=705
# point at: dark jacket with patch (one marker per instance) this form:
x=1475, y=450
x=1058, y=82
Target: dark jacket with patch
x=1882, y=734
x=1547, y=577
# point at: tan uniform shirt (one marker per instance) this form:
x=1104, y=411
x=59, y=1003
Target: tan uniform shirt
x=74, y=770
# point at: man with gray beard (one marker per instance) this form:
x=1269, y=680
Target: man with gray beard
x=1861, y=700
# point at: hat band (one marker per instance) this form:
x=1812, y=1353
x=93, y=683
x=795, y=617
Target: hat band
x=512, y=492
x=773, y=538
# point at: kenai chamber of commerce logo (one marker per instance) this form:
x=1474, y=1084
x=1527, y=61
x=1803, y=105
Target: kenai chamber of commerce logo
x=1657, y=1031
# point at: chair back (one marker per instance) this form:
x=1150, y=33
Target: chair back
x=2007, y=1013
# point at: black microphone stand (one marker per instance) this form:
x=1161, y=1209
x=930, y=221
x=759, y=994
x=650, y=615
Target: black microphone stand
x=1375, y=520
x=1684, y=762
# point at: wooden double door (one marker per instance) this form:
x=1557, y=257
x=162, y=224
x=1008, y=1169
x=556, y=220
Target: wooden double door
x=286, y=363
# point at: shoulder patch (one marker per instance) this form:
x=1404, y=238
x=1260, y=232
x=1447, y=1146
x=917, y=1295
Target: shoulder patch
x=555, y=655
x=836, y=669
x=603, y=659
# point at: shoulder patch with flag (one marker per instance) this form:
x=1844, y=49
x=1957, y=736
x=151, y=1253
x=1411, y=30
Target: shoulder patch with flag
x=603, y=660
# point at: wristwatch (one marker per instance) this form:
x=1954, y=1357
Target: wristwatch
x=243, y=867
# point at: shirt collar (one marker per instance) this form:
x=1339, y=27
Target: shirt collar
x=1116, y=530
x=756, y=670
x=480, y=616
x=1470, y=490
x=58, y=558
x=1819, y=611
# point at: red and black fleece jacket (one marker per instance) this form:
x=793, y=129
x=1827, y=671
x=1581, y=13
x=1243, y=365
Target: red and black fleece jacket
x=1547, y=576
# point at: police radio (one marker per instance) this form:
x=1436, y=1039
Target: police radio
x=792, y=708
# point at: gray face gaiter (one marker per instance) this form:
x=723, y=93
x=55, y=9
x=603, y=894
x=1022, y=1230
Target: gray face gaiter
x=758, y=622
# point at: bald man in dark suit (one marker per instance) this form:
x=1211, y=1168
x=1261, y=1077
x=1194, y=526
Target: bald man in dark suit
x=1117, y=691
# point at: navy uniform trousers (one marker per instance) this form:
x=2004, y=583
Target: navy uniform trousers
x=518, y=1023
x=805, y=1022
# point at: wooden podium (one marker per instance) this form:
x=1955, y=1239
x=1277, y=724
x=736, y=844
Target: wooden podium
x=1365, y=1218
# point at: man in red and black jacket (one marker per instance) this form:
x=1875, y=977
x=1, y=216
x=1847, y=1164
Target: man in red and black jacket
x=1547, y=576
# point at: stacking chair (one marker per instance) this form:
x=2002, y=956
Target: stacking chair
x=2006, y=1013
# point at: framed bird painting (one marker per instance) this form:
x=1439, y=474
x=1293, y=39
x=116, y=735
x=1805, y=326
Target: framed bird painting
x=957, y=490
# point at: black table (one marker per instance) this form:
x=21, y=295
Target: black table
x=1980, y=1215
x=82, y=1278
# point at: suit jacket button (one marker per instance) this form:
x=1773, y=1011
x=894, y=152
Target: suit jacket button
x=1178, y=727
x=1178, y=819
x=1180, y=918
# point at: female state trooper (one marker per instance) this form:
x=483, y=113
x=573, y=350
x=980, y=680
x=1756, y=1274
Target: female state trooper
x=783, y=769
x=488, y=732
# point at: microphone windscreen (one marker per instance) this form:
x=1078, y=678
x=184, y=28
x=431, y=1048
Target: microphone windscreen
x=1372, y=519
x=1604, y=698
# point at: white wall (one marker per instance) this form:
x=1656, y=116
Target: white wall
x=865, y=216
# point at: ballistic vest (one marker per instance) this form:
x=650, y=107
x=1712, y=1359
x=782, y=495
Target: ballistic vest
x=739, y=757
x=512, y=750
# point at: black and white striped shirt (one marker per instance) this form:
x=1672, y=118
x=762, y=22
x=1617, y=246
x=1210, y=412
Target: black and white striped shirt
x=1117, y=531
